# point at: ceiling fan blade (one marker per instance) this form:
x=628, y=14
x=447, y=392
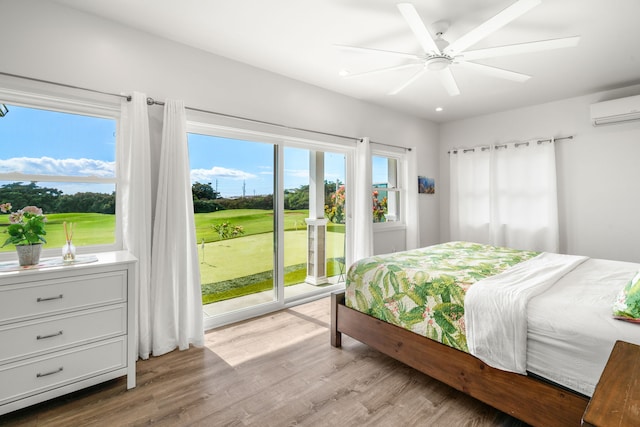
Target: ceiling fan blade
x=446, y=79
x=410, y=15
x=413, y=78
x=381, y=70
x=493, y=24
x=516, y=49
x=370, y=50
x=494, y=71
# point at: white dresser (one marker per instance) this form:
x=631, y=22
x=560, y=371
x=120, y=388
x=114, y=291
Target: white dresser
x=63, y=328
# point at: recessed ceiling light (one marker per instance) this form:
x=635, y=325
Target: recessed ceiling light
x=344, y=73
x=438, y=109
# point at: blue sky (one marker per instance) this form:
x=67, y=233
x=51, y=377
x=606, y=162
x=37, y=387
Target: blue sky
x=234, y=163
x=44, y=142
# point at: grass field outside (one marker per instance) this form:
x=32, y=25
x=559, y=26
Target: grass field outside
x=89, y=229
x=228, y=268
x=244, y=265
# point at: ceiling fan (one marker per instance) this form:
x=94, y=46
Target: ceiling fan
x=439, y=55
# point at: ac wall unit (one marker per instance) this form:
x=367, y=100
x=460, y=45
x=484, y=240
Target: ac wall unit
x=616, y=111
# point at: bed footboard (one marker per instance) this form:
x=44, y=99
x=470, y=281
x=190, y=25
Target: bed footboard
x=531, y=400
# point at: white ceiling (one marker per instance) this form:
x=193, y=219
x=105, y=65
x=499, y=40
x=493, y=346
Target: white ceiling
x=296, y=38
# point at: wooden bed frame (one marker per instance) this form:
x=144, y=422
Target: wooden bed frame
x=529, y=399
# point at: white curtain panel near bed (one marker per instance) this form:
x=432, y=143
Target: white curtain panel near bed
x=134, y=200
x=505, y=195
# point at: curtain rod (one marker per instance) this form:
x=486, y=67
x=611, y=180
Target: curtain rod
x=516, y=144
x=127, y=97
x=151, y=101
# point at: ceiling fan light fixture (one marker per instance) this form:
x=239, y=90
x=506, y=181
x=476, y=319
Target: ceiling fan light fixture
x=437, y=63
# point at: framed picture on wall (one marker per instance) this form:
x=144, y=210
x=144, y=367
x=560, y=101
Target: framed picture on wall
x=426, y=185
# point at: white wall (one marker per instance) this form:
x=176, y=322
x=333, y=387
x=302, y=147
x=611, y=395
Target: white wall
x=48, y=41
x=598, y=171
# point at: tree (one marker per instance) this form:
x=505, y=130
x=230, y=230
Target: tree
x=87, y=202
x=204, y=192
x=20, y=195
x=297, y=199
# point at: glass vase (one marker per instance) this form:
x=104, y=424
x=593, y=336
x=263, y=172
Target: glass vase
x=68, y=252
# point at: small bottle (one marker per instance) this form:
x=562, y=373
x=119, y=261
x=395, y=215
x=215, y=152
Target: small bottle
x=68, y=252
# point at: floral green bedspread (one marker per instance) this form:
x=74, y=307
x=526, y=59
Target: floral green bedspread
x=423, y=290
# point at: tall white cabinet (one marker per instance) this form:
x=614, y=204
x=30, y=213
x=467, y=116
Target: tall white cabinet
x=64, y=328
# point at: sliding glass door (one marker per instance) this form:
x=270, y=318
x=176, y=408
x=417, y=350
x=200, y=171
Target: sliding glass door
x=265, y=222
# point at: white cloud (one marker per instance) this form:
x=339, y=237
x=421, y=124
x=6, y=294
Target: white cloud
x=51, y=166
x=208, y=175
x=298, y=173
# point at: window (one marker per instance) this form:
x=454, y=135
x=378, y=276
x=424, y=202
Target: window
x=64, y=163
x=387, y=189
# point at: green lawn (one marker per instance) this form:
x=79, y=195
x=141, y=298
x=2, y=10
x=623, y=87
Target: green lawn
x=243, y=265
x=254, y=221
x=228, y=268
x=89, y=229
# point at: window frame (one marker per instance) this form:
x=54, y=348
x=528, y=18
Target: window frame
x=41, y=96
x=401, y=186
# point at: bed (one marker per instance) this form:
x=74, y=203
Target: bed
x=527, y=333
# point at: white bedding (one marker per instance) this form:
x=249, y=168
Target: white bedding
x=571, y=330
x=551, y=316
x=496, y=307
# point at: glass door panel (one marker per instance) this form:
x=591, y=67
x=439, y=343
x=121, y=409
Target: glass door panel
x=232, y=185
x=313, y=243
x=335, y=212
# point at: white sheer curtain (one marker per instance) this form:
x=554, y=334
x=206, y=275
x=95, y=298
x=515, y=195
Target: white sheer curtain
x=412, y=215
x=469, y=205
x=175, y=274
x=363, y=203
x=134, y=203
x=506, y=196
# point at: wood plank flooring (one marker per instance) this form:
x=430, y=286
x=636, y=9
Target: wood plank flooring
x=276, y=370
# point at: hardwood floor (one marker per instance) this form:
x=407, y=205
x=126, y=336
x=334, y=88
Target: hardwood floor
x=277, y=370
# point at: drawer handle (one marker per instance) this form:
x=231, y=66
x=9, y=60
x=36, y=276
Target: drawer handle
x=42, y=337
x=39, y=375
x=49, y=298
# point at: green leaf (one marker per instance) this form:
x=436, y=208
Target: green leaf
x=394, y=282
x=376, y=294
x=394, y=268
x=412, y=317
x=363, y=268
x=386, y=284
x=432, y=333
x=361, y=302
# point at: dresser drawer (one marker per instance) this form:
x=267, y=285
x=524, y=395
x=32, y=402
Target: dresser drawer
x=21, y=379
x=30, y=300
x=32, y=338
